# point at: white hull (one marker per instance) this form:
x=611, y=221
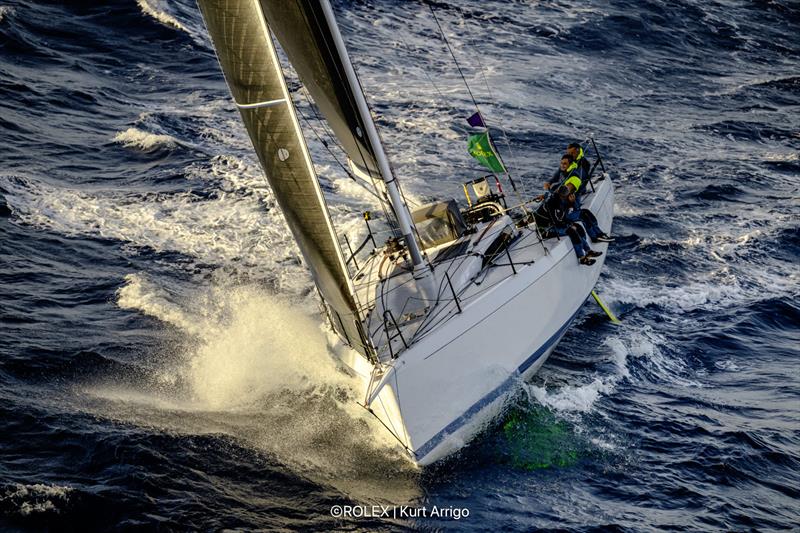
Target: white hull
x=450, y=383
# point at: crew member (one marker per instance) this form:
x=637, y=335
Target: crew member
x=566, y=168
x=576, y=214
x=552, y=217
x=582, y=164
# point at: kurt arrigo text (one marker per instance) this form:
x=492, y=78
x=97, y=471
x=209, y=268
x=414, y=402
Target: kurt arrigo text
x=398, y=511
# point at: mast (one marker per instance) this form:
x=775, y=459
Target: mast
x=395, y=197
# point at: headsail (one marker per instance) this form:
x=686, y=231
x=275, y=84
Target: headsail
x=308, y=33
x=306, y=37
x=253, y=72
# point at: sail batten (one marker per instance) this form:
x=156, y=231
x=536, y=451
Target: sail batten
x=241, y=37
x=268, y=103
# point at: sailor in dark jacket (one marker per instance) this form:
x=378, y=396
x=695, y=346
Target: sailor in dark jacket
x=552, y=218
x=587, y=219
x=566, y=168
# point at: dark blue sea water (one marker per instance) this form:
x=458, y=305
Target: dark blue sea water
x=162, y=364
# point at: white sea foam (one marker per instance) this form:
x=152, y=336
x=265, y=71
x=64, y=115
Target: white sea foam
x=37, y=498
x=721, y=282
x=259, y=344
x=727, y=365
x=604, y=444
x=777, y=156
x=622, y=208
x=160, y=15
x=582, y=398
x=644, y=346
x=687, y=297
x=139, y=294
x=244, y=342
x=142, y=140
x=5, y=11
x=579, y=398
x=232, y=174
x=256, y=366
x=346, y=187
x=226, y=230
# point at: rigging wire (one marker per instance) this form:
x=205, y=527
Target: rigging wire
x=428, y=75
x=455, y=111
x=363, y=184
x=488, y=87
x=447, y=43
x=469, y=90
x=332, y=53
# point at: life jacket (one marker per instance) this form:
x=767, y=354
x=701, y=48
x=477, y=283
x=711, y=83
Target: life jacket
x=573, y=167
x=583, y=167
x=580, y=155
x=575, y=181
x=565, y=175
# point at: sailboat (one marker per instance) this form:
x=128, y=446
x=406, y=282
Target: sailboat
x=459, y=303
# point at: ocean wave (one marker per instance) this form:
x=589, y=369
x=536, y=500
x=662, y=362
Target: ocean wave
x=578, y=398
x=256, y=366
x=224, y=230
x=653, y=356
x=684, y=298
x=142, y=140
x=140, y=294
x=636, y=353
x=273, y=342
x=161, y=16
x=234, y=174
x=582, y=398
x=34, y=499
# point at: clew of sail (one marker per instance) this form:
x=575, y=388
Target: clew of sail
x=253, y=72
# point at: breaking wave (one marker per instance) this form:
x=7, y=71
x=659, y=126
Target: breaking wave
x=142, y=140
x=256, y=366
x=578, y=398
x=160, y=16
x=27, y=500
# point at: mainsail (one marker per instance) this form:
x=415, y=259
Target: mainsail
x=244, y=47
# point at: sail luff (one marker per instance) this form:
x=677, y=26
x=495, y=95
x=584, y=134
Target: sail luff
x=308, y=33
x=244, y=47
x=396, y=198
x=307, y=157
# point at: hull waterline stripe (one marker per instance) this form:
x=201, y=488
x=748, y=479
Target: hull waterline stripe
x=456, y=424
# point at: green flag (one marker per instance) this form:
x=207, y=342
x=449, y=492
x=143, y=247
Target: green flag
x=480, y=147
